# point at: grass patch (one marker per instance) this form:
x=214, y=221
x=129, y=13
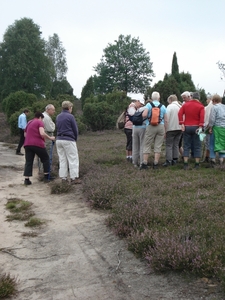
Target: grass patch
x=19, y=209
x=8, y=286
x=61, y=188
x=16, y=205
x=34, y=222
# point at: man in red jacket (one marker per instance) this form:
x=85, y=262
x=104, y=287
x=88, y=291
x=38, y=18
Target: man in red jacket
x=191, y=118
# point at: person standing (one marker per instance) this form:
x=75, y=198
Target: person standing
x=154, y=134
x=67, y=134
x=216, y=128
x=49, y=125
x=22, y=123
x=34, y=144
x=138, y=135
x=128, y=129
x=173, y=133
x=206, y=125
x=191, y=118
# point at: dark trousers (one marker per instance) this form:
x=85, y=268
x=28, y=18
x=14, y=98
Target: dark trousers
x=128, y=133
x=21, y=142
x=30, y=152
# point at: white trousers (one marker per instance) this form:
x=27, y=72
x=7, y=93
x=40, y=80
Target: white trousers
x=68, y=159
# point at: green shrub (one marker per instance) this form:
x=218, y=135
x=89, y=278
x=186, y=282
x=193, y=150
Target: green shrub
x=99, y=116
x=16, y=101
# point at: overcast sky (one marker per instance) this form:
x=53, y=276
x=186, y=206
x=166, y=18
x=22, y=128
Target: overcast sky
x=194, y=29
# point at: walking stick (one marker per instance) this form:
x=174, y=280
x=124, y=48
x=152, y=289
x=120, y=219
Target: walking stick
x=50, y=160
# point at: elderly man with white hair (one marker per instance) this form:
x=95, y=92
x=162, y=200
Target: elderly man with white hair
x=186, y=96
x=154, y=134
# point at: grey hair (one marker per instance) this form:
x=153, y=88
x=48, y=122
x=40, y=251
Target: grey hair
x=48, y=106
x=186, y=93
x=67, y=105
x=155, y=96
x=172, y=98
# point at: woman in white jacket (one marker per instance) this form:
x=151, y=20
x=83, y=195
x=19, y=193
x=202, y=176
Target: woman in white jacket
x=173, y=133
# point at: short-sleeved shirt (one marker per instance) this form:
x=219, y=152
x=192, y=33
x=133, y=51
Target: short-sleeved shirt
x=162, y=110
x=33, y=137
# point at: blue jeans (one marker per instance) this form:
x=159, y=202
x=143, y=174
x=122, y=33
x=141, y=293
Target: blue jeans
x=191, y=142
x=212, y=154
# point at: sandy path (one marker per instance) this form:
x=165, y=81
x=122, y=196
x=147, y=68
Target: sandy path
x=74, y=255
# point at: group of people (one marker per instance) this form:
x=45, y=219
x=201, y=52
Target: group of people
x=181, y=126
x=37, y=137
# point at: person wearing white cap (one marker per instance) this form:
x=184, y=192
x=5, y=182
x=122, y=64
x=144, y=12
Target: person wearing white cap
x=138, y=136
x=128, y=127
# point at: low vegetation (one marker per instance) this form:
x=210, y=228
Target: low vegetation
x=34, y=222
x=8, y=286
x=19, y=209
x=171, y=217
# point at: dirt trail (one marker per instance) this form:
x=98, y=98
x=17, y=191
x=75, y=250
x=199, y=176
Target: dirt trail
x=74, y=255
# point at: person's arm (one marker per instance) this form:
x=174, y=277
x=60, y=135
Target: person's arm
x=74, y=128
x=212, y=118
x=165, y=122
x=45, y=135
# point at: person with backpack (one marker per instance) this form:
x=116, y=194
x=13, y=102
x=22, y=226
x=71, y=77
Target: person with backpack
x=155, y=130
x=139, y=126
x=128, y=127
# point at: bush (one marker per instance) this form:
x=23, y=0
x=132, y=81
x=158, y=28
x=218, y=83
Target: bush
x=16, y=101
x=99, y=116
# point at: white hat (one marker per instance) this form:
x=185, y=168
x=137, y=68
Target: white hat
x=139, y=98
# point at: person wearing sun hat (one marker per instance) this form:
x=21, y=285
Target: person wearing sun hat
x=138, y=134
x=128, y=127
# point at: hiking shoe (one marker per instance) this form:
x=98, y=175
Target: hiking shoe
x=185, y=166
x=27, y=181
x=167, y=163
x=19, y=153
x=155, y=166
x=75, y=181
x=174, y=161
x=196, y=167
x=48, y=179
x=143, y=166
x=212, y=164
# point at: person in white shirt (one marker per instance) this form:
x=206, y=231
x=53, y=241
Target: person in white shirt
x=173, y=133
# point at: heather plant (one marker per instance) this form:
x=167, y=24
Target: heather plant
x=171, y=217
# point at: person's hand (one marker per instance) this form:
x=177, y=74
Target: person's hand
x=199, y=130
x=53, y=138
x=182, y=127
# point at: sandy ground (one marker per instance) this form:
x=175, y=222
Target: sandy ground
x=74, y=255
